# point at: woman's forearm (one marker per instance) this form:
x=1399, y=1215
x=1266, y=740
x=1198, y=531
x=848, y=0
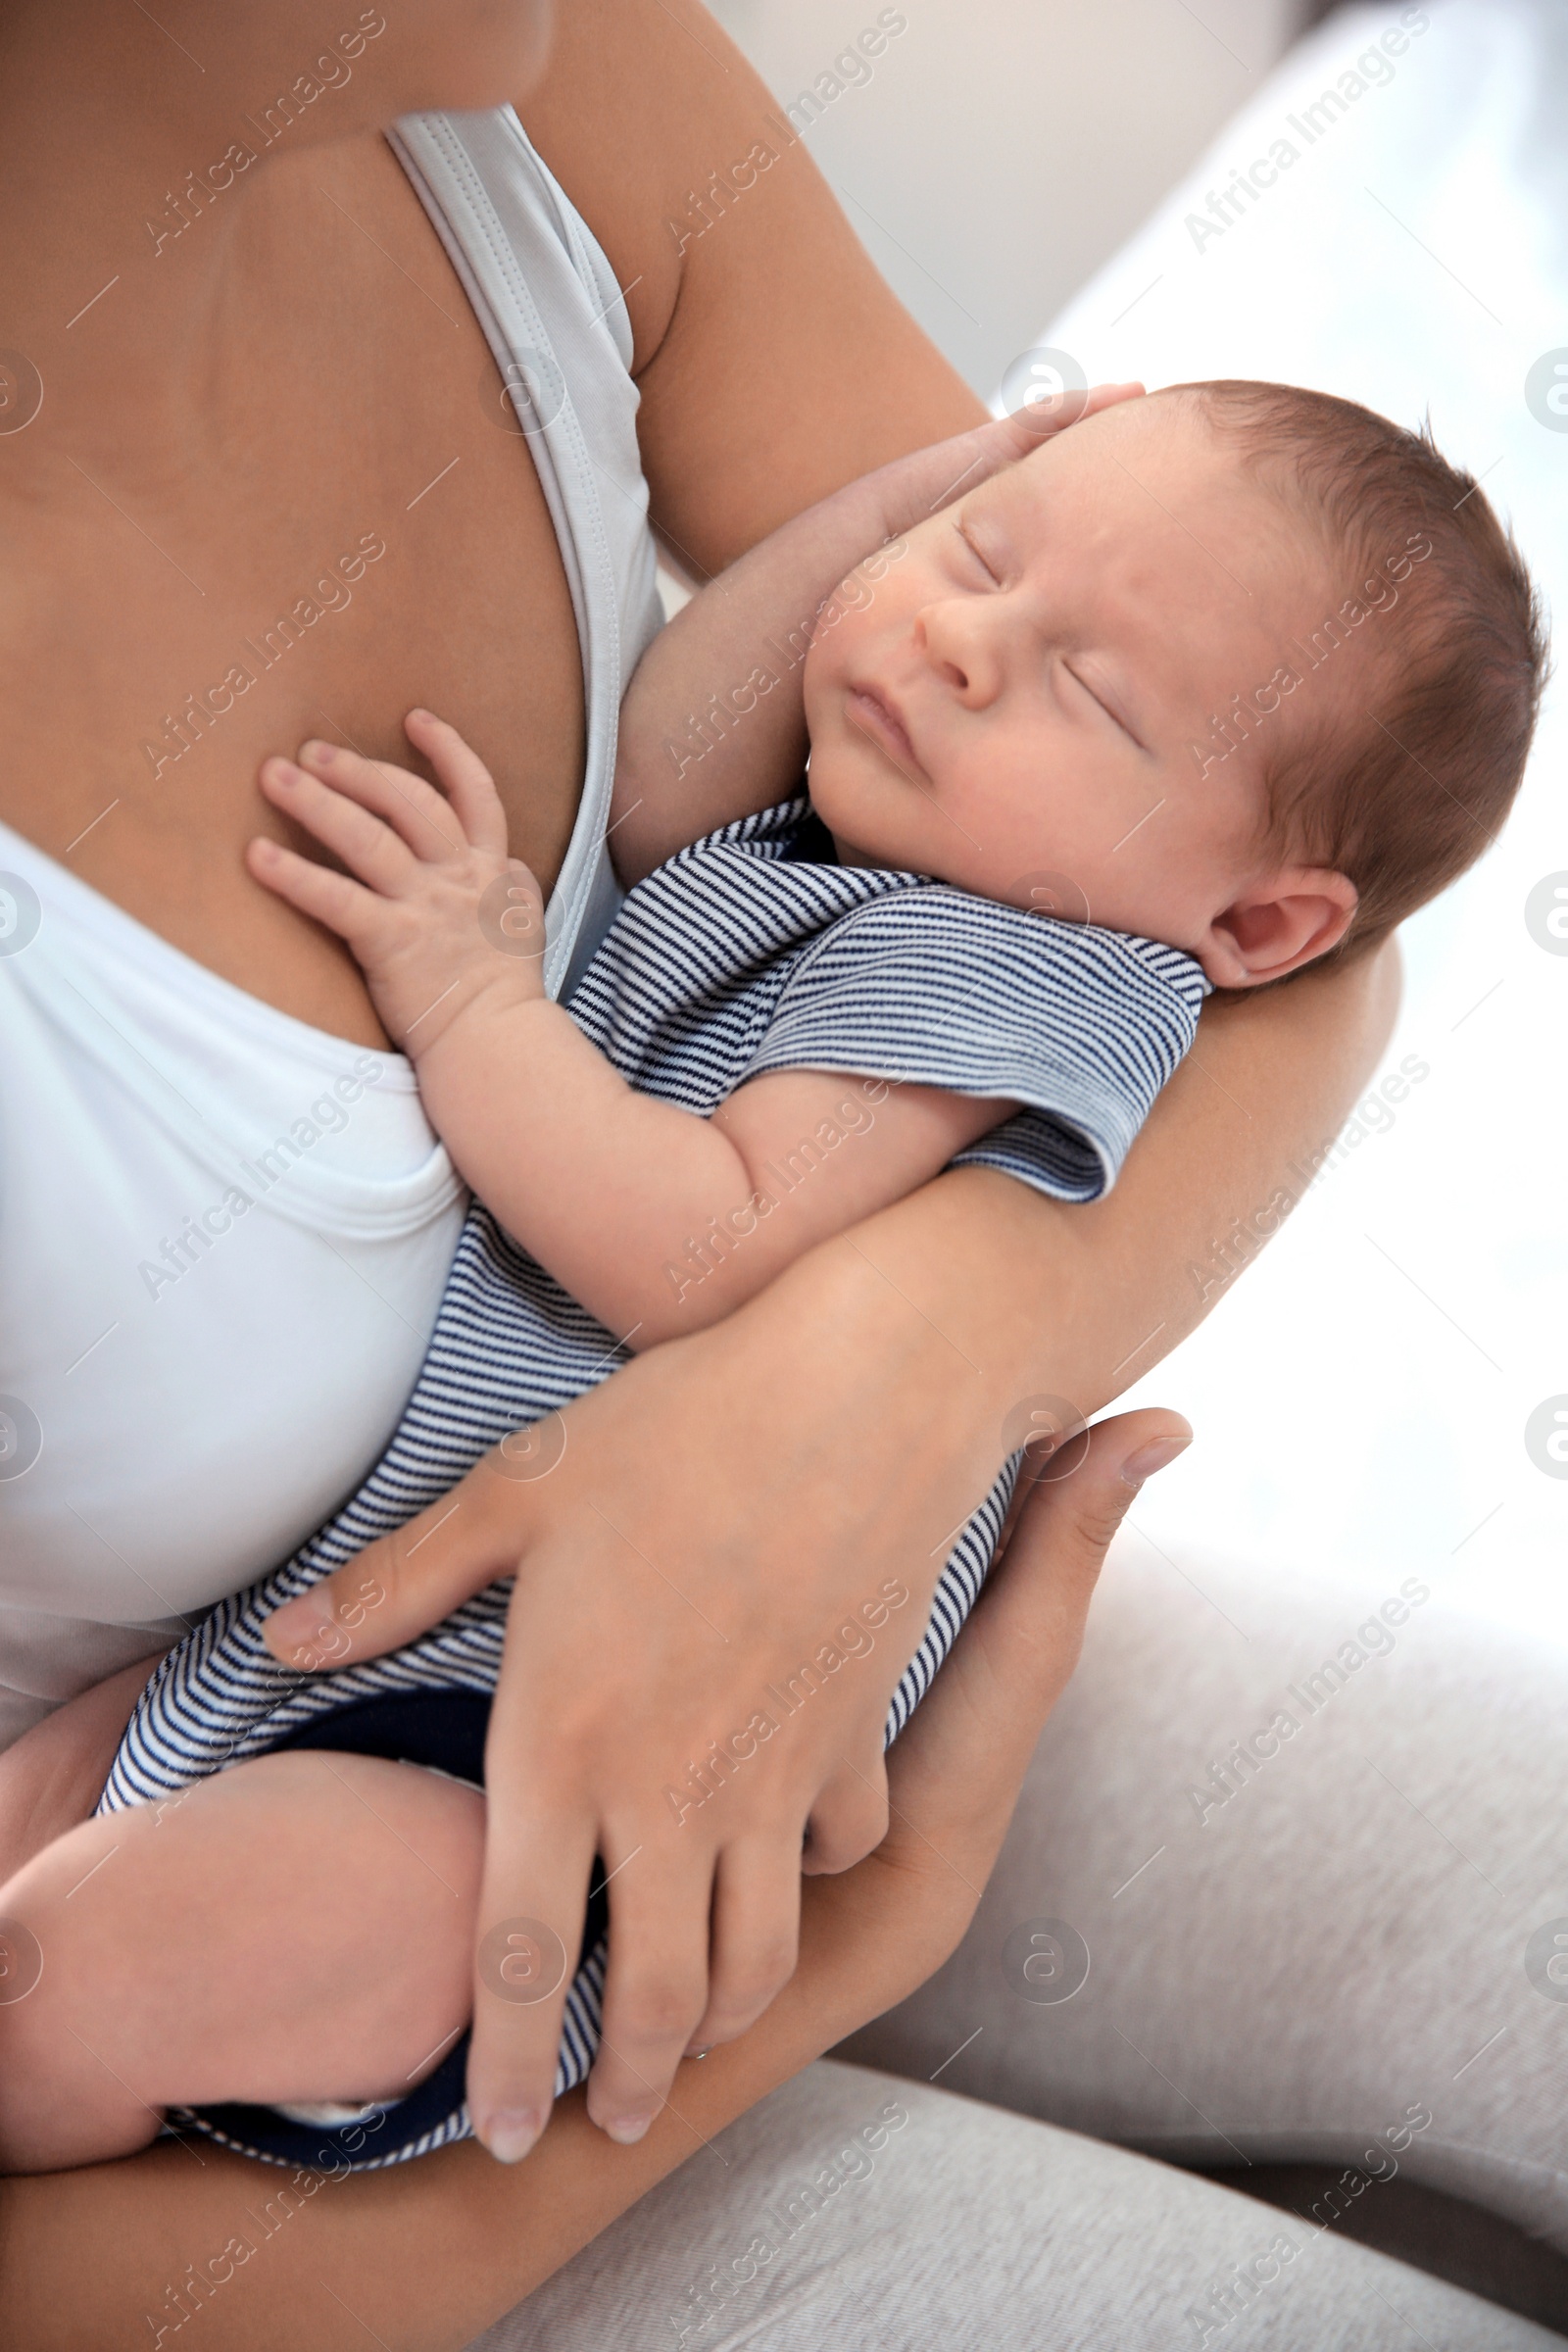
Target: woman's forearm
x=992, y=1292
x=424, y=2255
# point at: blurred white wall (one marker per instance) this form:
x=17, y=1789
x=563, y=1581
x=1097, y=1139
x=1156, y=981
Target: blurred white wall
x=1000, y=150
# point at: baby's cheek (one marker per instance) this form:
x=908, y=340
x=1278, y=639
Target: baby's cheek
x=836, y=655
x=817, y=683
x=837, y=633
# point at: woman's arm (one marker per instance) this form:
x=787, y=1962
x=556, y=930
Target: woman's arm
x=722, y=1501
x=774, y=364
x=426, y=2255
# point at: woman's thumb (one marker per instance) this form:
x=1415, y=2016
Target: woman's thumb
x=1072, y=1510
x=1122, y=1453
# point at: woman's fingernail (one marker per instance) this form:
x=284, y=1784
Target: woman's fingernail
x=627, y=2129
x=1152, y=1457
x=511, y=2132
x=323, y=754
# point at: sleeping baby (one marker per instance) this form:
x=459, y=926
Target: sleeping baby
x=1213, y=685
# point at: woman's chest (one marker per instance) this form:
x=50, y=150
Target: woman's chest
x=356, y=526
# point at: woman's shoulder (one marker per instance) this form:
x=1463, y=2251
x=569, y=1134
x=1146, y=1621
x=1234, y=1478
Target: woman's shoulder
x=701, y=190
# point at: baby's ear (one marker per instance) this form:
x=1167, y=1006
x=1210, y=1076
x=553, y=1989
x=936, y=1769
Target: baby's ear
x=1288, y=919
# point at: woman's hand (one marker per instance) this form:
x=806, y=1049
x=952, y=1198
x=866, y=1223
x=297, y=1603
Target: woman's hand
x=719, y=1584
x=914, y=487
x=626, y=1664
x=954, y=1775
x=1023, y=428
x=929, y=479
x=429, y=2254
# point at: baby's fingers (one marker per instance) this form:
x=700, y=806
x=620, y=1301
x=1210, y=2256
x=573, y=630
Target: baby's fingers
x=468, y=782
x=1035, y=420
x=332, y=898
x=415, y=811
x=369, y=849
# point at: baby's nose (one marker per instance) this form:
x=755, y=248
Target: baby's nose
x=954, y=645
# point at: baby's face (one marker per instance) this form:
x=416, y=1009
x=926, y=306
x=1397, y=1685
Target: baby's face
x=1020, y=694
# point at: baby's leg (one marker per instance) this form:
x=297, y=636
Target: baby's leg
x=298, y=1928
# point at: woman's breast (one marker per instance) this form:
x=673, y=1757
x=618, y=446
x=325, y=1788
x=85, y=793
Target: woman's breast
x=387, y=541
x=223, y=1238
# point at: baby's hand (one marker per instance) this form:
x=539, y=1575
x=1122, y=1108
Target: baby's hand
x=439, y=914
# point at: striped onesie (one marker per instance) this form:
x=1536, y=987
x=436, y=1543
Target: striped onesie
x=751, y=950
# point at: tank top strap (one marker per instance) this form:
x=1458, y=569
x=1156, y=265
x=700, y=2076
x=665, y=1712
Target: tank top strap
x=547, y=300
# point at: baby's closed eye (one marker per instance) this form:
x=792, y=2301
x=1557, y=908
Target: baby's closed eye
x=1102, y=698
x=979, y=560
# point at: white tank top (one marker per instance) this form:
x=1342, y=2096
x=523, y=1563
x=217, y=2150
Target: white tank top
x=223, y=1234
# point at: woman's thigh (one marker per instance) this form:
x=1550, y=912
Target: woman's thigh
x=1313, y=1854
x=853, y=2209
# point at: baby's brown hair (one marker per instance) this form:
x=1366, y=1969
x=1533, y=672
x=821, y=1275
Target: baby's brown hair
x=1404, y=798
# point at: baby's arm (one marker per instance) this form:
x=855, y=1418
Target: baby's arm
x=658, y=1220
x=712, y=726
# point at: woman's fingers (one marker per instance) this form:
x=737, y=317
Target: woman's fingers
x=1110, y=396
x=956, y=1769
x=954, y=1775
x=531, y=1912
x=700, y=1943
x=1040, y=1593
x=755, y=1937
x=849, y=1818
x=985, y=448
x=656, y=1990
x=468, y=783
x=370, y=848
x=1034, y=421
x=406, y=1581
